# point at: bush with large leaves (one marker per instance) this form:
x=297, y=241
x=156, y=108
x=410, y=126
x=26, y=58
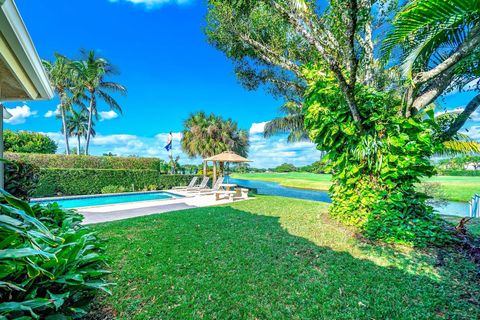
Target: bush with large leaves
x=21, y=178
x=375, y=173
x=50, y=265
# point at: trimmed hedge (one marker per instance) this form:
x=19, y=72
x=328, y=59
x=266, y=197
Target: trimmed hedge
x=91, y=181
x=465, y=173
x=86, y=162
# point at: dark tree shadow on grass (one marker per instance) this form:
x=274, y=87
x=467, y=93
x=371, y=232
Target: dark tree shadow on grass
x=214, y=263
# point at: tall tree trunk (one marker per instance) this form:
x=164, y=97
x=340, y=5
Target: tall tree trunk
x=78, y=144
x=64, y=123
x=90, y=119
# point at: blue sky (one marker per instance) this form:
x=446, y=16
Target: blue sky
x=169, y=69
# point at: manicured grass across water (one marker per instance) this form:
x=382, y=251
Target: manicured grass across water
x=276, y=258
x=454, y=188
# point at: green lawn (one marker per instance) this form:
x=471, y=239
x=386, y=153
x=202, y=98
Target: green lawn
x=275, y=258
x=454, y=188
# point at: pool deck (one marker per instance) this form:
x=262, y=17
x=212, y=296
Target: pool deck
x=128, y=210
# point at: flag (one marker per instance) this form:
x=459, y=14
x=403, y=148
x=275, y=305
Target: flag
x=168, y=147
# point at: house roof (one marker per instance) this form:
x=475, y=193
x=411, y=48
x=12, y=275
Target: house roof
x=21, y=71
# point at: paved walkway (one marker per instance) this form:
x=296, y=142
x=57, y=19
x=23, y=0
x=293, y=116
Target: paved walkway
x=144, y=208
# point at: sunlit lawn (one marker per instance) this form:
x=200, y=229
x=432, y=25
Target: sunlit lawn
x=454, y=188
x=275, y=258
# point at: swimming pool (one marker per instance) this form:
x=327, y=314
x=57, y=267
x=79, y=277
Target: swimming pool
x=99, y=200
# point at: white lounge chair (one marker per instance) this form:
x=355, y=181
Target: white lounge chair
x=202, y=186
x=215, y=187
x=190, y=185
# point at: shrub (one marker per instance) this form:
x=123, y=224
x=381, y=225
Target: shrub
x=28, y=142
x=51, y=265
x=87, y=162
x=91, y=181
x=465, y=173
x=113, y=189
x=285, y=167
x=21, y=178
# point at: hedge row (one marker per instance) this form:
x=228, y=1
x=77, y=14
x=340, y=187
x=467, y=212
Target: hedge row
x=54, y=182
x=466, y=173
x=86, y=162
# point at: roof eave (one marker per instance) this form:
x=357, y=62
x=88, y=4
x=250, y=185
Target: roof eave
x=19, y=40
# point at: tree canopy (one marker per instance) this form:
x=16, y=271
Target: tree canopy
x=28, y=142
x=208, y=135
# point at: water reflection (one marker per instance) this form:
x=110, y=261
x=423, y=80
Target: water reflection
x=274, y=189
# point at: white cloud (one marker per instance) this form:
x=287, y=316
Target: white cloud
x=473, y=132
x=20, y=114
x=258, y=127
x=151, y=4
x=265, y=153
x=271, y=152
x=52, y=113
x=107, y=115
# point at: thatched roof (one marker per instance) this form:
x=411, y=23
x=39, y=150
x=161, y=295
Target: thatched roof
x=227, y=156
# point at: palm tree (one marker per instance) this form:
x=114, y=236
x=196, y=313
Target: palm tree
x=292, y=123
x=206, y=136
x=440, y=52
x=61, y=79
x=91, y=73
x=77, y=125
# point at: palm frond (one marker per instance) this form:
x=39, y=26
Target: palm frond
x=460, y=147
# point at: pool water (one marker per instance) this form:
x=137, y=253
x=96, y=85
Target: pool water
x=110, y=199
x=274, y=189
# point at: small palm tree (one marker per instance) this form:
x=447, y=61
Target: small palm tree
x=78, y=126
x=61, y=79
x=206, y=136
x=91, y=74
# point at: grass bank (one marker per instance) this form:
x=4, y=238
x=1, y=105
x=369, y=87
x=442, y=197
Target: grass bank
x=275, y=258
x=454, y=188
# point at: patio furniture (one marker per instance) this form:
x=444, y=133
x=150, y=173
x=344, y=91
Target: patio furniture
x=228, y=193
x=201, y=186
x=190, y=185
x=216, y=187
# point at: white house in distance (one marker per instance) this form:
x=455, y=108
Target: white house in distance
x=22, y=76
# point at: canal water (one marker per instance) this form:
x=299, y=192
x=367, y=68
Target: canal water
x=274, y=189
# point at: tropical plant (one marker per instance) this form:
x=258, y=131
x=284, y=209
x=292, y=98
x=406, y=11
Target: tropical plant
x=61, y=79
x=28, y=142
x=91, y=76
x=379, y=133
x=21, y=178
x=293, y=123
x=77, y=126
x=51, y=265
x=174, y=163
x=206, y=136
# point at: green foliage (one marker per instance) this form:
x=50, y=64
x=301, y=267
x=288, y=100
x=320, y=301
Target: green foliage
x=113, y=189
x=316, y=167
x=375, y=170
x=87, y=162
x=206, y=136
x=28, y=142
x=285, y=167
x=91, y=181
x=21, y=178
x=459, y=173
x=50, y=264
